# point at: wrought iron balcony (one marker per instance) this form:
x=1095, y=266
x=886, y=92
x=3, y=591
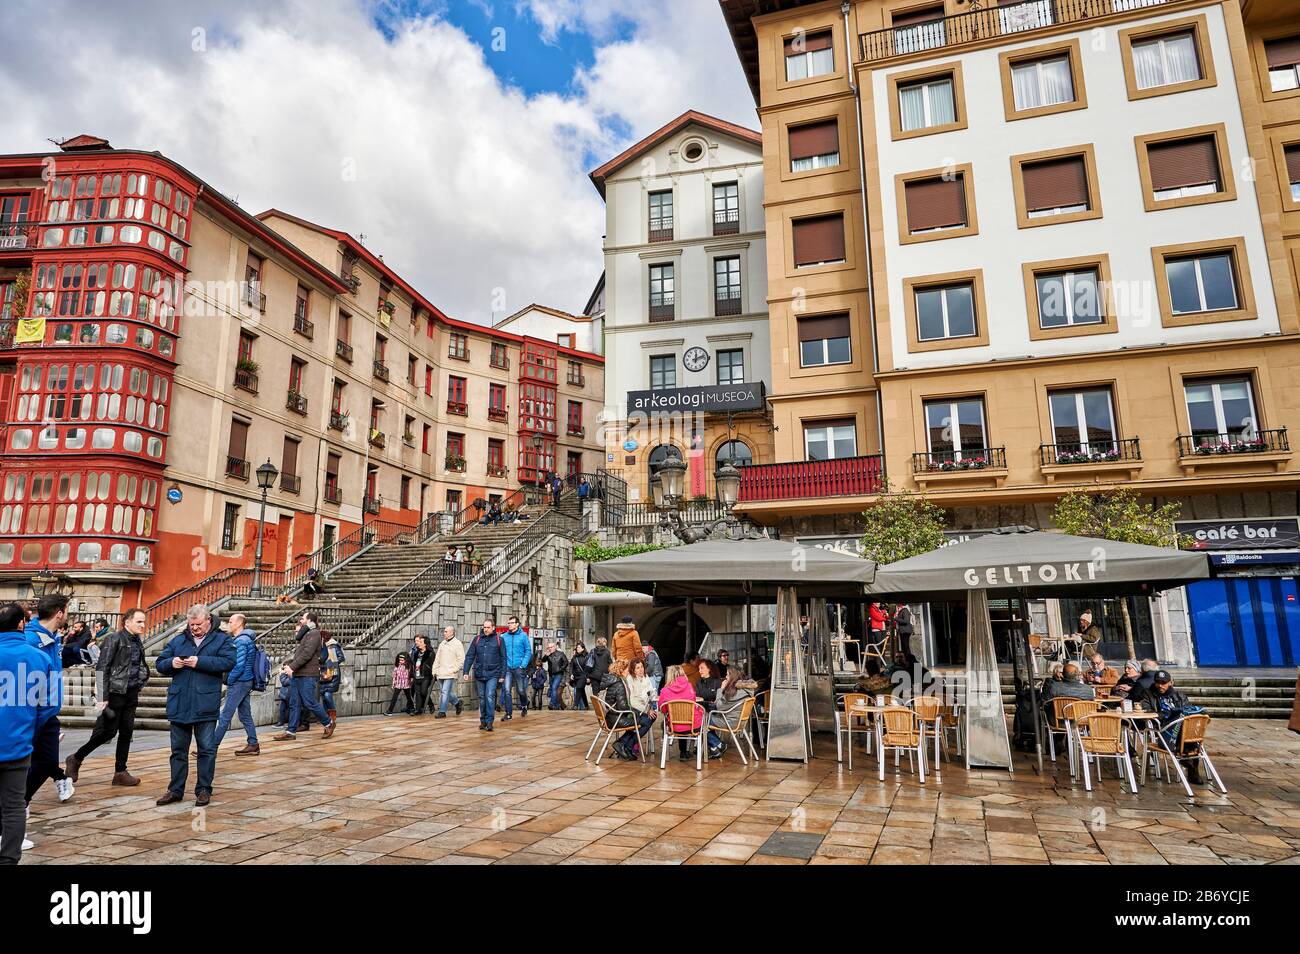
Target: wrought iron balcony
x=246, y=380
x=377, y=438
x=807, y=479
x=664, y=233
x=343, y=350
x=576, y=381
x=1217, y=445
x=459, y=408
x=304, y=327
x=729, y=305
x=460, y=354
x=501, y=360
x=371, y=504
x=978, y=458
x=381, y=370
x=498, y=414
x=17, y=235
x=290, y=483
x=1093, y=452
x=661, y=309
x=236, y=467
x=338, y=420
x=333, y=494
x=296, y=402
x=253, y=297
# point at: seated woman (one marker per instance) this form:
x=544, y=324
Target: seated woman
x=735, y=689
x=678, y=688
x=640, y=695
x=613, y=691
x=1126, y=682
x=313, y=587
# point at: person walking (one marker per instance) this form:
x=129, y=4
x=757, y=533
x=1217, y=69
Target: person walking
x=578, y=677
x=120, y=675
x=447, y=663
x=584, y=494
x=598, y=661
x=557, y=666
x=627, y=641
x=196, y=659
x=239, y=687
x=654, y=667
x=304, y=668
x=486, y=657
x=519, y=652
x=332, y=659
x=21, y=664
x=401, y=684
x=422, y=673
x=42, y=633
x=557, y=489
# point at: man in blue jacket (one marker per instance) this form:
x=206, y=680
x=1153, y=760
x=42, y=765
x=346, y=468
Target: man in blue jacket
x=197, y=660
x=486, y=656
x=519, y=653
x=26, y=673
x=239, y=687
x=43, y=632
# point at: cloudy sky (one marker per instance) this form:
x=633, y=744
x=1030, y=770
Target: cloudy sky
x=456, y=135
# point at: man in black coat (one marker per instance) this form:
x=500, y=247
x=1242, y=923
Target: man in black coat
x=120, y=675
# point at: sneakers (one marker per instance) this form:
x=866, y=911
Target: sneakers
x=65, y=788
x=507, y=718
x=250, y=749
x=125, y=778
x=72, y=766
x=523, y=713
x=28, y=844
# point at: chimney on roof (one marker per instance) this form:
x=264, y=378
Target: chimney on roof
x=84, y=143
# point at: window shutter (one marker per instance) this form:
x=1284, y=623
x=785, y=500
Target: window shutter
x=935, y=203
x=824, y=326
x=1293, y=163
x=819, y=239
x=815, y=139
x=1055, y=183
x=1283, y=52
x=1184, y=162
x=238, y=439
x=289, y=462
x=913, y=17
x=812, y=42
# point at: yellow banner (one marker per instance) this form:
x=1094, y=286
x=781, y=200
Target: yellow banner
x=30, y=331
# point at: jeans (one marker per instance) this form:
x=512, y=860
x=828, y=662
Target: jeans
x=580, y=695
x=239, y=698
x=45, y=757
x=327, y=691
x=644, y=722
x=448, y=694
x=654, y=688
x=519, y=680
x=304, y=697
x=557, y=683
x=13, y=809
x=487, y=700
x=121, y=723
x=203, y=734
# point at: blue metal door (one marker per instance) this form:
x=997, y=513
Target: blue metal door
x=1245, y=621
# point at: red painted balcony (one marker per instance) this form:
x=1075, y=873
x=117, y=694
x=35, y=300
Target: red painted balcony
x=799, y=480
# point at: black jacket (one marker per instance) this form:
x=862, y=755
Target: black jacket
x=600, y=659
x=422, y=663
x=615, y=698
x=1148, y=698
x=115, y=661
x=707, y=689
x=556, y=663
x=578, y=669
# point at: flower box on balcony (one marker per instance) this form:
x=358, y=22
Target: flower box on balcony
x=1263, y=449
x=577, y=430
x=455, y=463
x=982, y=465
x=408, y=439
x=296, y=402
x=497, y=470
x=377, y=438
x=459, y=408
x=338, y=420
x=246, y=380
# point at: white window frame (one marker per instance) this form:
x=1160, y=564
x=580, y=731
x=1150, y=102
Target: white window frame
x=1200, y=283
x=955, y=429
x=829, y=431
x=926, y=87
x=1040, y=87
x=1161, y=42
x=1082, y=419
x=1284, y=78
x=804, y=63
x=1221, y=421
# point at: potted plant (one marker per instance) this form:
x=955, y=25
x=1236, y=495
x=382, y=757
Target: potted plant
x=388, y=306
x=455, y=462
x=247, y=365
x=408, y=438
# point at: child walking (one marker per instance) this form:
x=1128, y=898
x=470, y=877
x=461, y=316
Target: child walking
x=401, y=684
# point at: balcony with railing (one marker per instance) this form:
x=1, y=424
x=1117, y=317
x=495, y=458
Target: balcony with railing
x=343, y=350
x=7, y=329
x=371, y=504
x=458, y=408
x=497, y=470
x=303, y=326
x=727, y=303
x=576, y=380
x=1092, y=452
x=991, y=22
x=296, y=402
x=236, y=467
x=1241, y=450
x=661, y=230
x=726, y=221
x=333, y=494
x=246, y=380
x=960, y=461
x=16, y=236
x=253, y=296
x=377, y=438
x=801, y=480
x=381, y=370
x=290, y=483
x=460, y=353
x=498, y=414
x=338, y=420
x=661, y=307
x=576, y=430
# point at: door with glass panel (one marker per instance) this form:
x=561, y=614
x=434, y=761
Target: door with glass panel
x=955, y=432
x=1220, y=411
x=1083, y=425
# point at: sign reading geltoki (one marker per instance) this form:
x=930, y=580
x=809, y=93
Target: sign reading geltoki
x=1026, y=573
x=1251, y=533
x=709, y=397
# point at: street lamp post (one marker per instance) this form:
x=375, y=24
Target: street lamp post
x=668, y=487
x=42, y=582
x=266, y=475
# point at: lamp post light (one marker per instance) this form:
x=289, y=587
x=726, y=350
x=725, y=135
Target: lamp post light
x=266, y=475
x=727, y=480
x=42, y=582
x=672, y=478
x=668, y=486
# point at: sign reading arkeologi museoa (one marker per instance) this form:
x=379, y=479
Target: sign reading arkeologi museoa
x=1250, y=533
x=709, y=397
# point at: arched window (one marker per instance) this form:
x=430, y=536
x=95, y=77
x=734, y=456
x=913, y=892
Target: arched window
x=737, y=453
x=657, y=458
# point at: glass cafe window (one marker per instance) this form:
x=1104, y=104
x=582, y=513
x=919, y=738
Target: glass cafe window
x=75, y=439
x=116, y=334
x=88, y=552
x=60, y=552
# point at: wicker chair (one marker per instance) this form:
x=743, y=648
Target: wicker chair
x=846, y=720
x=929, y=712
x=1191, y=745
x=901, y=729
x=1101, y=735
x=679, y=725
x=600, y=710
x=1072, y=712
x=734, y=720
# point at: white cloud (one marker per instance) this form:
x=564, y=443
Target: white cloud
x=463, y=184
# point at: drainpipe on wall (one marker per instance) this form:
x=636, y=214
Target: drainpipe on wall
x=866, y=225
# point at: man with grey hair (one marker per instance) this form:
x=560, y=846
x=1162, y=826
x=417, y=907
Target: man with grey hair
x=196, y=659
x=1070, y=685
x=239, y=686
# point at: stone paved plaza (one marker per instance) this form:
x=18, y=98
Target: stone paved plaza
x=412, y=791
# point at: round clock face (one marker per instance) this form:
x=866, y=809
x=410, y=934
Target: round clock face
x=696, y=359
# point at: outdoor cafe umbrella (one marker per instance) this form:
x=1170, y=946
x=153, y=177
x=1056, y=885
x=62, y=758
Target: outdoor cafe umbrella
x=1028, y=563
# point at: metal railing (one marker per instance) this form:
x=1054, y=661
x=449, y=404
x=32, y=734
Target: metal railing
x=338, y=420
x=296, y=402
x=1228, y=444
x=729, y=305
x=647, y=515
x=498, y=414
x=254, y=298
x=726, y=222
x=378, y=438
x=343, y=350
x=459, y=408
x=662, y=310
x=662, y=234
x=797, y=480
x=991, y=22
x=381, y=370
x=371, y=504
x=1092, y=452
x=17, y=235
x=503, y=363
x=246, y=380
x=290, y=483
x=976, y=458
x=303, y=326
x=236, y=467
x=333, y=495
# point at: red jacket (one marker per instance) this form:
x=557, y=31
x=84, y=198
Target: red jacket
x=879, y=620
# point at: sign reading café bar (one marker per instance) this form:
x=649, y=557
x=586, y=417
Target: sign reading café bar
x=710, y=397
x=1251, y=533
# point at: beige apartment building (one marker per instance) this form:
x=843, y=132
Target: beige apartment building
x=1044, y=246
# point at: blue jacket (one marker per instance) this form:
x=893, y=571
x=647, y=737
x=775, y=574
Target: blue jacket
x=487, y=657
x=245, y=649
x=51, y=644
x=195, y=694
x=519, y=649
x=21, y=714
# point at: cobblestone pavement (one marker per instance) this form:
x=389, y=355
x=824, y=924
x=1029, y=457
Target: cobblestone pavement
x=411, y=791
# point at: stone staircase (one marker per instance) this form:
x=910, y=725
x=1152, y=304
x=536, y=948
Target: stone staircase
x=79, y=699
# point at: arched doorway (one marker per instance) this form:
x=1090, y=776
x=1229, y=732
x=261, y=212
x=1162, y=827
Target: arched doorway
x=666, y=632
x=736, y=453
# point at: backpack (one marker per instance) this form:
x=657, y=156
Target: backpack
x=329, y=670
x=261, y=669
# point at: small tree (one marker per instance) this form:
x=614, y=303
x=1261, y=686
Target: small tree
x=901, y=525
x=1118, y=514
